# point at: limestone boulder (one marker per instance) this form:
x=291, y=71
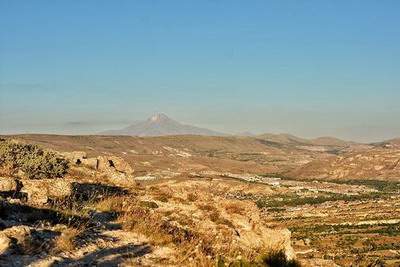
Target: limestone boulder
x=113, y=163
x=13, y=235
x=40, y=191
x=120, y=178
x=5, y=243
x=90, y=163
x=104, y=165
x=8, y=184
x=75, y=157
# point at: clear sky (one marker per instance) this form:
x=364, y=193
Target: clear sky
x=310, y=68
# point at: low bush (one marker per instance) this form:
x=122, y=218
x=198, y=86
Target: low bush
x=279, y=259
x=272, y=259
x=380, y=185
x=192, y=197
x=294, y=201
x=67, y=240
x=34, y=162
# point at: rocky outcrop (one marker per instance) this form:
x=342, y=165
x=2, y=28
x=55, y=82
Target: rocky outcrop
x=90, y=163
x=75, y=157
x=36, y=191
x=40, y=191
x=80, y=158
x=250, y=230
x=108, y=164
x=233, y=225
x=12, y=236
x=113, y=163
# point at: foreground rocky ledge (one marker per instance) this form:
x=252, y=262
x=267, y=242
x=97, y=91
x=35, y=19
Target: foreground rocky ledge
x=60, y=222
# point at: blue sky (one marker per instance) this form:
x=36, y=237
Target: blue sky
x=311, y=68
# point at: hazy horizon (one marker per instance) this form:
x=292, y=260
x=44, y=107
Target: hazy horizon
x=308, y=68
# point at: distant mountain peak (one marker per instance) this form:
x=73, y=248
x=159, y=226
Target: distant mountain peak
x=160, y=124
x=159, y=117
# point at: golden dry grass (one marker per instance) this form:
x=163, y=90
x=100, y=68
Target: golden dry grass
x=206, y=207
x=235, y=207
x=113, y=204
x=193, y=248
x=142, y=220
x=161, y=194
x=192, y=197
x=67, y=240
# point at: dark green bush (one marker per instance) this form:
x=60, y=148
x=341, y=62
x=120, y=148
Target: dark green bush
x=34, y=162
x=278, y=259
x=272, y=259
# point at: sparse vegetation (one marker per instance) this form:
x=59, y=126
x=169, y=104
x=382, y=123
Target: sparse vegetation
x=160, y=194
x=142, y=220
x=66, y=241
x=204, y=220
x=112, y=204
x=380, y=185
x=271, y=259
x=192, y=197
x=235, y=207
x=34, y=162
x=293, y=201
x=279, y=259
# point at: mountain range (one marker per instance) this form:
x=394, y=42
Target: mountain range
x=162, y=125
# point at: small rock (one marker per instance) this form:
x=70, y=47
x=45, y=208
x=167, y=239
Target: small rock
x=148, y=204
x=75, y=157
x=15, y=234
x=7, y=184
x=91, y=163
x=114, y=163
x=5, y=243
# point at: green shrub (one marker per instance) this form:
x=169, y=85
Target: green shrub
x=272, y=259
x=294, y=200
x=33, y=161
x=278, y=259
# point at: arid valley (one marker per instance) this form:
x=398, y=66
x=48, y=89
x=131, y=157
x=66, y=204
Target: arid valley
x=201, y=201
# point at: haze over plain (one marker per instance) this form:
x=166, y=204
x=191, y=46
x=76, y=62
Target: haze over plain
x=306, y=68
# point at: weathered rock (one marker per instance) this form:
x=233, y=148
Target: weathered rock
x=108, y=164
x=90, y=162
x=104, y=165
x=119, y=178
x=233, y=225
x=9, y=236
x=75, y=157
x=251, y=233
x=113, y=163
x=40, y=191
x=7, y=184
x=5, y=243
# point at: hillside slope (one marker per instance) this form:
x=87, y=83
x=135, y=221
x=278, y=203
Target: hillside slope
x=373, y=163
x=187, y=153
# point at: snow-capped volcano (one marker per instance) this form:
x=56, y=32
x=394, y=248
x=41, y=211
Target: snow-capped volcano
x=159, y=125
